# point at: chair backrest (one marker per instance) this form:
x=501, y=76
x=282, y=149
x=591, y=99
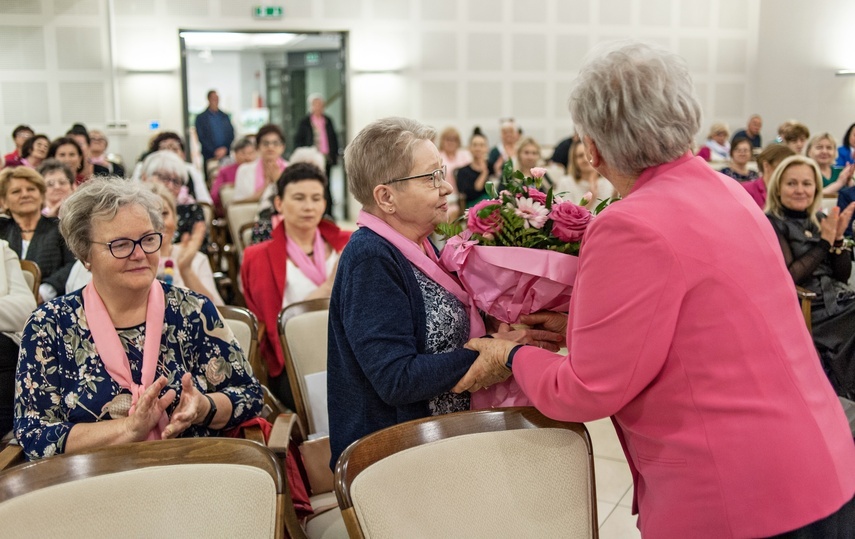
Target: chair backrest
x=508, y=472
x=227, y=194
x=244, y=325
x=208, y=212
x=193, y=487
x=303, y=336
x=244, y=236
x=32, y=275
x=238, y=215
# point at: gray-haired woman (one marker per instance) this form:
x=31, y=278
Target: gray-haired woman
x=166, y=168
x=398, y=322
x=127, y=358
x=685, y=328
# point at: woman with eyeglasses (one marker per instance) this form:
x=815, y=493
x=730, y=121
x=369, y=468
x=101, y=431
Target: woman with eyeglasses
x=29, y=233
x=59, y=183
x=299, y=262
x=127, y=358
x=256, y=181
x=398, y=321
x=167, y=169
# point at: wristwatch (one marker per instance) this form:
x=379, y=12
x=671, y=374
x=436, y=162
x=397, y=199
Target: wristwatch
x=211, y=413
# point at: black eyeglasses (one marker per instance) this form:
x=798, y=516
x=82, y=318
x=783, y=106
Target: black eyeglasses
x=124, y=247
x=437, y=177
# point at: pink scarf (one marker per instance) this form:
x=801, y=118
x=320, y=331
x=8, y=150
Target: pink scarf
x=259, y=171
x=109, y=347
x=315, y=269
x=428, y=263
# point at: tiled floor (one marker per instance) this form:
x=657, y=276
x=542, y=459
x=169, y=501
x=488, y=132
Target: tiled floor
x=614, y=483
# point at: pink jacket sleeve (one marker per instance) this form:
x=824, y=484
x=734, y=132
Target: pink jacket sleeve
x=622, y=319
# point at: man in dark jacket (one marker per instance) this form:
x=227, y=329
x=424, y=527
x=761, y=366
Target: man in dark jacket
x=317, y=130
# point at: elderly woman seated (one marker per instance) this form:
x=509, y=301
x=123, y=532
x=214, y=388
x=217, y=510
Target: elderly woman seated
x=398, y=321
x=30, y=234
x=59, y=184
x=181, y=264
x=814, y=253
x=166, y=168
x=88, y=376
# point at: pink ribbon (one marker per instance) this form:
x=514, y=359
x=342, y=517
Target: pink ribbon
x=426, y=261
x=112, y=353
x=315, y=269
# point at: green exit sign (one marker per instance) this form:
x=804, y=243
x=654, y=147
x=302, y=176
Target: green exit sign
x=267, y=12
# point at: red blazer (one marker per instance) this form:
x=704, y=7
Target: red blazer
x=685, y=327
x=263, y=276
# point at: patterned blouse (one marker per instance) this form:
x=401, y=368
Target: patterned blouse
x=61, y=380
x=447, y=329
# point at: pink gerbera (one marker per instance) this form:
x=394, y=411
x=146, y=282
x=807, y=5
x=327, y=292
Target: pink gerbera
x=534, y=213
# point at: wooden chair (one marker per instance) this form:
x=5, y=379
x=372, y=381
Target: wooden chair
x=805, y=299
x=246, y=329
x=507, y=472
x=326, y=522
x=33, y=276
x=194, y=487
x=239, y=214
x=303, y=336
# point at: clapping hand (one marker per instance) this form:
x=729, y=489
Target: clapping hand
x=149, y=409
x=190, y=245
x=835, y=223
x=191, y=408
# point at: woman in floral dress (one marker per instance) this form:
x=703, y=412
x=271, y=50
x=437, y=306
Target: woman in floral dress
x=86, y=377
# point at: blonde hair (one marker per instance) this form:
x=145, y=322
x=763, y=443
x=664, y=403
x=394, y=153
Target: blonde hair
x=717, y=128
x=774, y=205
x=822, y=136
x=21, y=173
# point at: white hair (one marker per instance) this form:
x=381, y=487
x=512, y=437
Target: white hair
x=311, y=98
x=308, y=154
x=637, y=103
x=164, y=161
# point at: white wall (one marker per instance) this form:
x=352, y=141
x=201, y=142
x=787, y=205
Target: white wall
x=802, y=45
x=460, y=62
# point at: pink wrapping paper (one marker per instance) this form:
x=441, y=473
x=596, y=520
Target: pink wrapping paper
x=508, y=282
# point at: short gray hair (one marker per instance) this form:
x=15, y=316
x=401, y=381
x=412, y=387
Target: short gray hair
x=637, y=103
x=101, y=198
x=382, y=151
x=164, y=161
x=774, y=206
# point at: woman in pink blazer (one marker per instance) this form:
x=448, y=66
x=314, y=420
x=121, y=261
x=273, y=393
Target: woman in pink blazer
x=685, y=328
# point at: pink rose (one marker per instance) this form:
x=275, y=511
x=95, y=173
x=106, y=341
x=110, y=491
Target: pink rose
x=484, y=225
x=537, y=172
x=569, y=221
x=535, y=195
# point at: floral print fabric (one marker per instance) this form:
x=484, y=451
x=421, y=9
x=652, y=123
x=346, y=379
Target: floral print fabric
x=61, y=380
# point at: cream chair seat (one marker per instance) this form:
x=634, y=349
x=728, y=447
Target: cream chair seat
x=201, y=487
x=508, y=472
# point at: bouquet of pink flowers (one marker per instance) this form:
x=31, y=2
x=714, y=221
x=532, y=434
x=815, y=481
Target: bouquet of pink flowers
x=517, y=256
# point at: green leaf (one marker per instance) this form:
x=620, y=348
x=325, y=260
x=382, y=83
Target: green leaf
x=507, y=169
x=490, y=188
x=518, y=175
x=602, y=205
x=447, y=230
x=549, y=197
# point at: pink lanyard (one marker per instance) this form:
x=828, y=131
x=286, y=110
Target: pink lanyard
x=109, y=347
x=315, y=269
x=427, y=262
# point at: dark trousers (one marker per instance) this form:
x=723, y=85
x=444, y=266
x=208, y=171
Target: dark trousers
x=838, y=525
x=8, y=364
x=281, y=389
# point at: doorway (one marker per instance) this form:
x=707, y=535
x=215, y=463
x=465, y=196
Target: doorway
x=267, y=77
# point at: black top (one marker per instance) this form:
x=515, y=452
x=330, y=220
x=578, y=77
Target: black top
x=47, y=249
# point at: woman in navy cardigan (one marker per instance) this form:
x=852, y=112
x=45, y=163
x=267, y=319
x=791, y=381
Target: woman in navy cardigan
x=398, y=322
